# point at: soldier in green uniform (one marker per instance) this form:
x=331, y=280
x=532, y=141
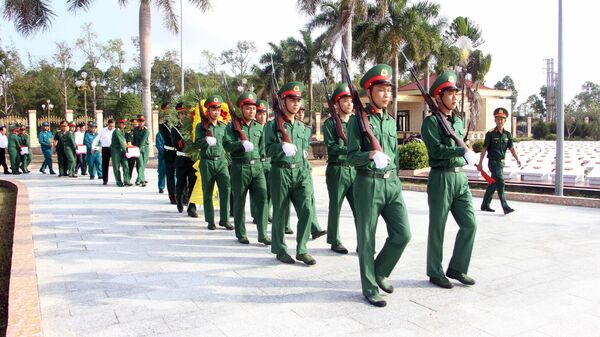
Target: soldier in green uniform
x=377, y=188
x=141, y=135
x=25, y=158
x=133, y=161
x=118, y=147
x=290, y=176
x=69, y=146
x=447, y=188
x=495, y=144
x=261, y=118
x=59, y=147
x=184, y=166
x=247, y=173
x=213, y=164
x=339, y=175
x=14, y=149
x=45, y=138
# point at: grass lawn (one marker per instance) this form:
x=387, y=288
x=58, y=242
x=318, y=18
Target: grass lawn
x=7, y=221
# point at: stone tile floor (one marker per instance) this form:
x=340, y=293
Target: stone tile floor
x=122, y=262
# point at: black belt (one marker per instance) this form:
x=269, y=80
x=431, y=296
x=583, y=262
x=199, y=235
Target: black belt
x=343, y=164
x=381, y=175
x=288, y=165
x=265, y=159
x=448, y=169
x=245, y=161
x=212, y=158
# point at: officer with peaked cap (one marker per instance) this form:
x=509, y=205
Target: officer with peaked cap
x=496, y=142
x=118, y=148
x=70, y=146
x=141, y=136
x=14, y=148
x=447, y=188
x=377, y=188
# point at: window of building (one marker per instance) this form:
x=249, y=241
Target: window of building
x=403, y=121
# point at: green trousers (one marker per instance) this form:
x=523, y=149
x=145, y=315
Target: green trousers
x=244, y=178
x=62, y=161
x=295, y=186
x=119, y=160
x=141, y=166
x=71, y=162
x=449, y=192
x=25, y=160
x=496, y=168
x=15, y=160
x=269, y=204
x=374, y=197
x=215, y=171
x=339, y=181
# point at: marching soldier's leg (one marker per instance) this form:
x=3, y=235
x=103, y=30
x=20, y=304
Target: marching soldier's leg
x=462, y=210
x=281, y=202
x=258, y=193
x=180, y=187
x=170, y=177
x=126, y=171
x=366, y=195
x=141, y=168
x=239, y=190
x=303, y=200
x=191, y=181
x=439, y=200
x=224, y=185
x=208, y=184
x=500, y=186
x=336, y=191
x=116, y=165
x=396, y=219
x=489, y=191
x=71, y=163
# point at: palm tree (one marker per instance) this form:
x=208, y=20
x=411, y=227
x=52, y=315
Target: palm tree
x=338, y=17
x=416, y=26
x=34, y=15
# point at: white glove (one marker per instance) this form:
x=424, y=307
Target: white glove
x=289, y=149
x=212, y=141
x=471, y=157
x=381, y=160
x=305, y=154
x=248, y=146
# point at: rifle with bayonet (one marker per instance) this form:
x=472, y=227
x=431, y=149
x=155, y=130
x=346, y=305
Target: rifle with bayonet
x=335, y=117
x=277, y=108
x=234, y=119
x=203, y=120
x=439, y=116
x=359, y=110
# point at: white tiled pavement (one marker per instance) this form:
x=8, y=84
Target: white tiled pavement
x=122, y=262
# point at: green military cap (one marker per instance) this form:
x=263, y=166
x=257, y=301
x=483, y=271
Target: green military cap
x=15, y=127
x=246, y=98
x=93, y=125
x=213, y=100
x=261, y=105
x=72, y=123
x=341, y=90
x=45, y=124
x=379, y=74
x=292, y=89
x=500, y=112
x=446, y=80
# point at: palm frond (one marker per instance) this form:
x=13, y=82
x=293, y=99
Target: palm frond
x=202, y=5
x=170, y=19
x=29, y=16
x=75, y=5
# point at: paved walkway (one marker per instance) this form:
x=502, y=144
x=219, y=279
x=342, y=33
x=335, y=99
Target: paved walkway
x=122, y=262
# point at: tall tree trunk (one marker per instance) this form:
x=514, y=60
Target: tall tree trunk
x=145, y=57
x=65, y=96
x=347, y=43
x=395, y=89
x=310, y=101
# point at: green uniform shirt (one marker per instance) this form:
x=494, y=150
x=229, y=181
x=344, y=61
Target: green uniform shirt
x=129, y=136
x=273, y=142
x=496, y=143
x=69, y=141
x=337, y=151
x=25, y=140
x=218, y=131
x=442, y=150
x=117, y=142
x=233, y=144
x=59, y=137
x=384, y=129
x=14, y=142
x=140, y=138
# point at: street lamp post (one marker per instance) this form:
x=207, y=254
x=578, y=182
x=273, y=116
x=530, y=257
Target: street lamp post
x=48, y=107
x=83, y=84
x=93, y=85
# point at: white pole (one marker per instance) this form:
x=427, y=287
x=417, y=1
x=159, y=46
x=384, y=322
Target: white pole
x=181, y=48
x=560, y=123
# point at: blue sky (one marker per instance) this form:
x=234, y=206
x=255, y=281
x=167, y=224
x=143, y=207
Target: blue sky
x=518, y=34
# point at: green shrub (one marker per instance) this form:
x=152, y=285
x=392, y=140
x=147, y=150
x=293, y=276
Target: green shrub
x=412, y=156
x=522, y=139
x=478, y=146
x=550, y=136
x=540, y=130
x=128, y=106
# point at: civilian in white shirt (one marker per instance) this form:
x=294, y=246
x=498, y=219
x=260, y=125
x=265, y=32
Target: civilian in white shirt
x=104, y=138
x=3, y=146
x=81, y=157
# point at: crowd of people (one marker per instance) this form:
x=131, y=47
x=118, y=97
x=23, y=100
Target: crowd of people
x=268, y=159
